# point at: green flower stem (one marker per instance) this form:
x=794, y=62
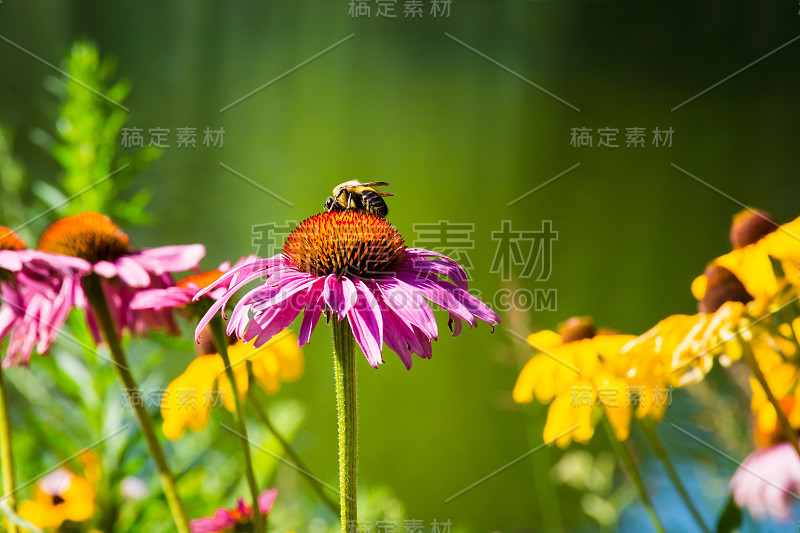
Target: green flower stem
x=221, y=342
x=344, y=363
x=624, y=455
x=287, y=447
x=649, y=429
x=6, y=454
x=99, y=303
x=788, y=431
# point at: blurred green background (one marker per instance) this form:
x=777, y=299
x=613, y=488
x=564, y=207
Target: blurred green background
x=458, y=138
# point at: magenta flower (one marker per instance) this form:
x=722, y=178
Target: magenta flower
x=37, y=290
x=359, y=267
x=182, y=293
x=768, y=482
x=124, y=271
x=225, y=520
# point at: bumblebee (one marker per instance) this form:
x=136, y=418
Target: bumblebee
x=359, y=197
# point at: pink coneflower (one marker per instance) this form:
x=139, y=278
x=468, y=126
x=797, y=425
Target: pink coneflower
x=124, y=271
x=37, y=289
x=225, y=520
x=768, y=482
x=185, y=289
x=359, y=267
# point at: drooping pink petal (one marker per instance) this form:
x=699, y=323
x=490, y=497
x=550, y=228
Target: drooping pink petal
x=170, y=258
x=315, y=304
x=161, y=298
x=266, y=500
x=105, y=268
x=9, y=260
x=409, y=304
x=132, y=273
x=367, y=324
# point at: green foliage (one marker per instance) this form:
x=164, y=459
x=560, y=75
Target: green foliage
x=730, y=520
x=91, y=116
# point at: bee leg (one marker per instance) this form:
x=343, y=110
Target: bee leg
x=450, y=325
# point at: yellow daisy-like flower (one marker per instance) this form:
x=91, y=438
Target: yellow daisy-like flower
x=58, y=497
x=575, y=372
x=754, y=251
x=682, y=348
x=187, y=401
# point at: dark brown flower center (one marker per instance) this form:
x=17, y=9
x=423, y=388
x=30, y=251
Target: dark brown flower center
x=722, y=286
x=750, y=226
x=346, y=244
x=576, y=328
x=90, y=236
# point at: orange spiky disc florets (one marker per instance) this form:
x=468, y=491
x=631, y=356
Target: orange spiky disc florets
x=202, y=280
x=90, y=236
x=346, y=244
x=9, y=240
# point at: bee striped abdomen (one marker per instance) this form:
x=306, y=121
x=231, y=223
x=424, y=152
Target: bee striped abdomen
x=374, y=204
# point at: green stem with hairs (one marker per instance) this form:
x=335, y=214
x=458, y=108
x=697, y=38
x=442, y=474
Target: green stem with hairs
x=788, y=431
x=649, y=430
x=624, y=455
x=344, y=364
x=99, y=304
x=287, y=447
x=221, y=342
x=6, y=453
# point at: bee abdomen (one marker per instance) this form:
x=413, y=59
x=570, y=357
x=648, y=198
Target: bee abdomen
x=374, y=204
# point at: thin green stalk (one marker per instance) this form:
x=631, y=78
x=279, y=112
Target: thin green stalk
x=650, y=434
x=287, y=447
x=6, y=453
x=99, y=303
x=344, y=364
x=788, y=431
x=221, y=342
x=624, y=455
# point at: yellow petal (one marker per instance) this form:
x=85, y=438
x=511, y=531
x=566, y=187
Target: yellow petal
x=277, y=361
x=41, y=514
x=544, y=340
x=186, y=400
x=699, y=287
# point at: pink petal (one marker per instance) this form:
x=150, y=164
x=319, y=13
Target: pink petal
x=171, y=258
x=266, y=500
x=367, y=324
x=161, y=298
x=106, y=269
x=314, y=306
x=132, y=273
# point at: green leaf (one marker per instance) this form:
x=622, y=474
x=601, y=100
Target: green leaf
x=731, y=518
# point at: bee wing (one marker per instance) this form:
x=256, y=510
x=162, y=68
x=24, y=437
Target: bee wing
x=372, y=184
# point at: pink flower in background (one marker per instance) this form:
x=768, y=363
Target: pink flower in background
x=182, y=293
x=228, y=519
x=767, y=482
x=359, y=267
x=96, y=239
x=38, y=290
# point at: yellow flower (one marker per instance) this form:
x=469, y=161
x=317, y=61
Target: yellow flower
x=752, y=265
x=188, y=399
x=59, y=496
x=685, y=345
x=575, y=373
